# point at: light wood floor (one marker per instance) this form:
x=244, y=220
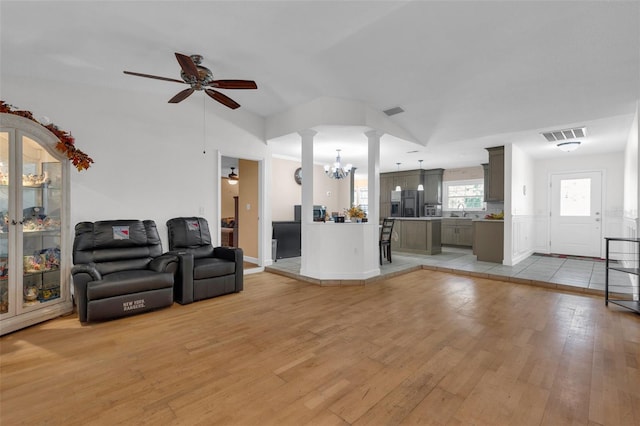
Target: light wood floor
x=423, y=348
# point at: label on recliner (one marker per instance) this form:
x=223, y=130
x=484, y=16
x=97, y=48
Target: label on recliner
x=193, y=225
x=120, y=232
x=130, y=306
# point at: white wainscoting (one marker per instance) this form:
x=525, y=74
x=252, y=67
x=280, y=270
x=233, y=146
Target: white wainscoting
x=523, y=236
x=541, y=236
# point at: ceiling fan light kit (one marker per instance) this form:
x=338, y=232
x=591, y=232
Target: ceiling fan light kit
x=200, y=78
x=233, y=177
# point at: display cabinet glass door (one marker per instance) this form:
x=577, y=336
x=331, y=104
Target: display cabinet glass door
x=31, y=203
x=4, y=225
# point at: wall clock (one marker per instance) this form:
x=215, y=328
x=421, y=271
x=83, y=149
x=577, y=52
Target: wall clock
x=297, y=175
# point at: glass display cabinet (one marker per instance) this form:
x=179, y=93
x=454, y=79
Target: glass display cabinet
x=34, y=225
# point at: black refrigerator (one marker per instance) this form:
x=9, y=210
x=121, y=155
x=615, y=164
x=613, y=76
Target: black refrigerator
x=410, y=202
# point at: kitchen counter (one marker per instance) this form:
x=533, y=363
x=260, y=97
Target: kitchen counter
x=417, y=218
x=488, y=240
x=419, y=235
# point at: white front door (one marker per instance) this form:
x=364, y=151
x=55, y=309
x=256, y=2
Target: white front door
x=576, y=213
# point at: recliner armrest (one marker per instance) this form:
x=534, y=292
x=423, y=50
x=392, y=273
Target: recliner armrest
x=228, y=253
x=87, y=268
x=82, y=274
x=235, y=254
x=167, y=262
x=183, y=286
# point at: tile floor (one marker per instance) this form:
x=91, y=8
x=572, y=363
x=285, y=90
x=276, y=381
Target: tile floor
x=578, y=275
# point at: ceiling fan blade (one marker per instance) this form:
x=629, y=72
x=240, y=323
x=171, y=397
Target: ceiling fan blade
x=187, y=65
x=152, y=76
x=181, y=96
x=223, y=99
x=234, y=84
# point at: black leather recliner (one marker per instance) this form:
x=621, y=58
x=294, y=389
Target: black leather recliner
x=205, y=271
x=120, y=270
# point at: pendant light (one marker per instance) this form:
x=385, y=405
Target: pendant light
x=420, y=186
x=398, y=188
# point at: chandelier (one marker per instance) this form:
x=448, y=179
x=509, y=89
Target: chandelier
x=337, y=170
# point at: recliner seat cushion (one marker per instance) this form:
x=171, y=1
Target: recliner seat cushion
x=210, y=267
x=127, y=282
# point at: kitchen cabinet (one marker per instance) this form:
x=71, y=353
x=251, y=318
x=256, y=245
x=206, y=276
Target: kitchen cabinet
x=457, y=232
x=488, y=240
x=420, y=236
x=386, y=186
x=432, y=182
x=407, y=180
x=494, y=175
x=34, y=249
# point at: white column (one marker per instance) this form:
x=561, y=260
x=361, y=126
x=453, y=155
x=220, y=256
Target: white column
x=307, y=198
x=373, y=173
x=307, y=175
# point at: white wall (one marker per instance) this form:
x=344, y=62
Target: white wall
x=149, y=160
x=611, y=164
x=520, y=229
x=631, y=193
x=631, y=176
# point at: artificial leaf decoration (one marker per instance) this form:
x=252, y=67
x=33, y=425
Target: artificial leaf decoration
x=66, y=142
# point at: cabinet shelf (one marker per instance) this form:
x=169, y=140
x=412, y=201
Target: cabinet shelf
x=633, y=305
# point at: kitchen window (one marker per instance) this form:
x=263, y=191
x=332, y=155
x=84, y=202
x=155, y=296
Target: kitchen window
x=463, y=194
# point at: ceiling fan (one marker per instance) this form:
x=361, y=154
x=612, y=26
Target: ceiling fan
x=201, y=78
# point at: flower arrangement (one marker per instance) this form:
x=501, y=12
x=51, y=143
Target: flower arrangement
x=66, y=142
x=355, y=212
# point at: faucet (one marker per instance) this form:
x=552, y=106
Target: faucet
x=464, y=214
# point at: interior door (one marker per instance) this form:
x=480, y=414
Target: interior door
x=576, y=213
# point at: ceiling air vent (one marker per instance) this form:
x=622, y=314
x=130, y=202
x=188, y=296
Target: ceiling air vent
x=393, y=111
x=563, y=135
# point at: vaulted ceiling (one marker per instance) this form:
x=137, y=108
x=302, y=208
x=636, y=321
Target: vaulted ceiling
x=468, y=74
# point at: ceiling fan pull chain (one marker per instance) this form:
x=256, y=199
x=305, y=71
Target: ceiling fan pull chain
x=204, y=126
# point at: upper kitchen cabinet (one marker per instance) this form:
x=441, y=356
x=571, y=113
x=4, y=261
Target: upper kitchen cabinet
x=494, y=175
x=405, y=180
x=432, y=182
x=386, y=186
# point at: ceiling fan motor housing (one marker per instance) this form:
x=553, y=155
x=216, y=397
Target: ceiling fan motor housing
x=205, y=76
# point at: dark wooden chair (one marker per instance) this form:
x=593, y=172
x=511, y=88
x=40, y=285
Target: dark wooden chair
x=385, y=239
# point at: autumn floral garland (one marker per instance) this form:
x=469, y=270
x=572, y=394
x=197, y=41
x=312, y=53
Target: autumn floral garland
x=66, y=142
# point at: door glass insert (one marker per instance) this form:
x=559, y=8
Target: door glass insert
x=575, y=197
x=4, y=222
x=41, y=205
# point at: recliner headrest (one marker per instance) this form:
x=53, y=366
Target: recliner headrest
x=188, y=232
x=114, y=240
